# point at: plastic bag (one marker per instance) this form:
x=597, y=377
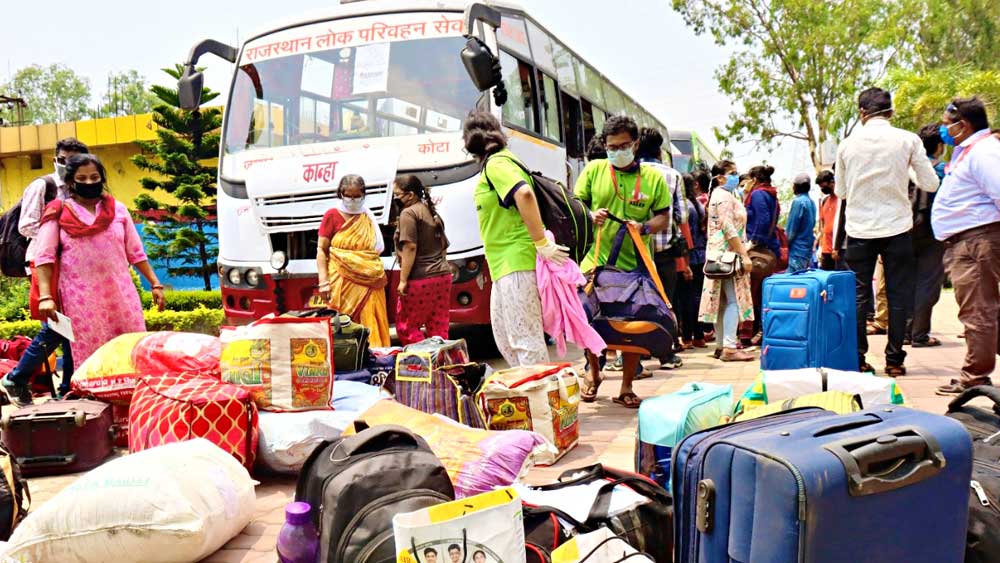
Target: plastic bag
x=179, y=502
x=477, y=460
x=163, y=353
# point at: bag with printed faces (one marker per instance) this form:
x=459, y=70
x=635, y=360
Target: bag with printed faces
x=486, y=528
x=286, y=363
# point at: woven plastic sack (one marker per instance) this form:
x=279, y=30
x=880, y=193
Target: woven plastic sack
x=834, y=401
x=543, y=399
x=109, y=373
x=285, y=362
x=180, y=408
x=779, y=385
x=180, y=502
x=477, y=460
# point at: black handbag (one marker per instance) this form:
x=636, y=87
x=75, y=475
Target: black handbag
x=724, y=266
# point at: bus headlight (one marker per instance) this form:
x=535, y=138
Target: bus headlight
x=253, y=278
x=234, y=276
x=279, y=260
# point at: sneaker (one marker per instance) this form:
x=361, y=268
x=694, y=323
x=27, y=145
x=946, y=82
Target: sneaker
x=615, y=365
x=20, y=395
x=672, y=363
x=957, y=388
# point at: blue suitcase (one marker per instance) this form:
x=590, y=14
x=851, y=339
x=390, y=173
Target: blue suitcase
x=889, y=484
x=809, y=321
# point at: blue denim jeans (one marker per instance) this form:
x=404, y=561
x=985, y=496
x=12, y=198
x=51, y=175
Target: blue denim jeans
x=798, y=264
x=728, y=319
x=38, y=352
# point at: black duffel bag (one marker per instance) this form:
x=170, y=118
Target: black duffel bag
x=648, y=527
x=983, y=424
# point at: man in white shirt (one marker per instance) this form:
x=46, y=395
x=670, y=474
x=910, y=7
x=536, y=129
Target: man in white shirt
x=874, y=168
x=966, y=216
x=16, y=383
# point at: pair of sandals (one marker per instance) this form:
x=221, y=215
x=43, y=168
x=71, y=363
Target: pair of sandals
x=589, y=394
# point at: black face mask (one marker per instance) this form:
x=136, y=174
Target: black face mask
x=89, y=191
x=826, y=190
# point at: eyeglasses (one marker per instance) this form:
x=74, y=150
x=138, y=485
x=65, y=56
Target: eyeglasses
x=952, y=108
x=61, y=159
x=620, y=146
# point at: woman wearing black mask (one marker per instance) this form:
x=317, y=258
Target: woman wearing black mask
x=424, y=288
x=85, y=247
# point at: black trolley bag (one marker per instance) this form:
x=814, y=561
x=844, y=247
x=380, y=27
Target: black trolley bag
x=983, y=424
x=356, y=484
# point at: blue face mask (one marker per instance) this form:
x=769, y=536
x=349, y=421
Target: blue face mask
x=732, y=182
x=946, y=137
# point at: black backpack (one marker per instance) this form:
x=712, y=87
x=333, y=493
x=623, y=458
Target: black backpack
x=13, y=245
x=356, y=484
x=983, y=424
x=562, y=212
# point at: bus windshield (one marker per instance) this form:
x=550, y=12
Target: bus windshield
x=387, y=89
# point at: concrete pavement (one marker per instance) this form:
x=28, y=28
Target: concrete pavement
x=607, y=431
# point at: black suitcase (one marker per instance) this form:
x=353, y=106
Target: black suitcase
x=983, y=424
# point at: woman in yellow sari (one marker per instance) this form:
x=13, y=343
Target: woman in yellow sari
x=351, y=275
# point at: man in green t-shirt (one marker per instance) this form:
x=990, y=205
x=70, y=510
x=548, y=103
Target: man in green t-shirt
x=634, y=193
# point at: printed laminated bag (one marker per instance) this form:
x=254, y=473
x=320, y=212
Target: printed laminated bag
x=109, y=374
x=779, y=385
x=543, y=399
x=449, y=390
x=477, y=460
x=179, y=502
x=15, y=498
x=286, y=363
x=179, y=408
x=599, y=546
x=486, y=527
x=430, y=353
x=834, y=401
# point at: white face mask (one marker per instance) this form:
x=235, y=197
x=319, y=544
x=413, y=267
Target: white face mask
x=354, y=205
x=60, y=171
x=621, y=158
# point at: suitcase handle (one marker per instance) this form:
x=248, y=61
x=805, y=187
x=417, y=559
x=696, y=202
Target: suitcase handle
x=888, y=460
x=47, y=460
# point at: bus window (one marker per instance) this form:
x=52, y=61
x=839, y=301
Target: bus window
x=520, y=107
x=590, y=84
x=573, y=126
x=588, y=121
x=512, y=35
x=564, y=69
x=541, y=48
x=549, y=105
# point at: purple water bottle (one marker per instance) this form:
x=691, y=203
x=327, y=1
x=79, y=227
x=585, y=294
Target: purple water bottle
x=298, y=541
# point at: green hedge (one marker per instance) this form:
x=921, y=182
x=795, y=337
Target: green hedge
x=202, y=320
x=185, y=300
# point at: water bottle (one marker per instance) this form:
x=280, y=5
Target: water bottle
x=298, y=541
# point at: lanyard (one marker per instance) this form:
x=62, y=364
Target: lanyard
x=638, y=185
x=951, y=165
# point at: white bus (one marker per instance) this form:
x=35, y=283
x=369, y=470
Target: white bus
x=378, y=87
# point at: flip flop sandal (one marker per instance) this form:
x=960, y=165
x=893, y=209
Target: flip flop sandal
x=642, y=375
x=927, y=343
x=628, y=400
x=589, y=393
x=895, y=371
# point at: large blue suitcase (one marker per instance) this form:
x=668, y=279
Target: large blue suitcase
x=809, y=321
x=888, y=484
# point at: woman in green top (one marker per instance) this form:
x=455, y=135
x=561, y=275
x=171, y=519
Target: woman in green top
x=513, y=236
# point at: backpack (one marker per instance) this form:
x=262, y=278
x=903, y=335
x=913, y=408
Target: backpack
x=14, y=245
x=356, y=484
x=13, y=495
x=983, y=424
x=562, y=212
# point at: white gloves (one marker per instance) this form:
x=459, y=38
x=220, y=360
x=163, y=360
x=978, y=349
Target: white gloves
x=551, y=251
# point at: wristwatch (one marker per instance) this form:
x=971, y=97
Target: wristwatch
x=644, y=230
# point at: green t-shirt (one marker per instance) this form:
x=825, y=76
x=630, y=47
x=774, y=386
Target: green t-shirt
x=506, y=241
x=597, y=189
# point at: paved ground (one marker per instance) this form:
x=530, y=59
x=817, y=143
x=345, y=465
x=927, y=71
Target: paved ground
x=608, y=430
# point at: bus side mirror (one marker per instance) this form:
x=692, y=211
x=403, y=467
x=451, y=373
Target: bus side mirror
x=189, y=88
x=484, y=69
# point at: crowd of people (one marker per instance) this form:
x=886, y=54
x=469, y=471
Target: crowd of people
x=892, y=210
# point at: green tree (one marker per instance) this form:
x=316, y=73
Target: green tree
x=186, y=142
x=957, y=33
x=127, y=94
x=920, y=96
x=795, y=62
x=54, y=94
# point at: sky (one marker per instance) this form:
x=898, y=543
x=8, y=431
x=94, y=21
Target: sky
x=641, y=45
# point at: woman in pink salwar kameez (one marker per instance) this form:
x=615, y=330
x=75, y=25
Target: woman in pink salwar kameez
x=85, y=246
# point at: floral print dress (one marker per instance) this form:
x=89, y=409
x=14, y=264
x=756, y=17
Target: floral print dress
x=727, y=218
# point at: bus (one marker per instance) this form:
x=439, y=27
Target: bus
x=690, y=151
x=377, y=88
